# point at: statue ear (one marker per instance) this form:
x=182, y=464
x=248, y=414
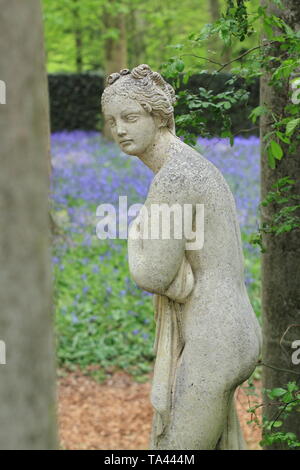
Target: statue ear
x=161, y=122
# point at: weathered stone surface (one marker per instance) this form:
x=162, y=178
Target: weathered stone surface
x=208, y=339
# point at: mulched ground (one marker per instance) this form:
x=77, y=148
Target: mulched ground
x=116, y=414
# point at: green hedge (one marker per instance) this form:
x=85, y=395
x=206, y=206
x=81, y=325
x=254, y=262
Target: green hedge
x=75, y=100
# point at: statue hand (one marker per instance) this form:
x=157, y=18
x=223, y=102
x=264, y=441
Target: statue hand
x=183, y=283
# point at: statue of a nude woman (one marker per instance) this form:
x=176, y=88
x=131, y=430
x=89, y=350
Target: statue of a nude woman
x=207, y=337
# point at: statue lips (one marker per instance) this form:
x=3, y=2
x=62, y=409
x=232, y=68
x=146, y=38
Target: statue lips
x=125, y=141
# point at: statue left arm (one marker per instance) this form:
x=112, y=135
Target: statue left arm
x=183, y=283
x=157, y=264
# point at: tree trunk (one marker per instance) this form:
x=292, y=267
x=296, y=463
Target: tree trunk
x=215, y=44
x=78, y=36
x=115, y=49
x=136, y=41
x=214, y=6
x=281, y=262
x=27, y=385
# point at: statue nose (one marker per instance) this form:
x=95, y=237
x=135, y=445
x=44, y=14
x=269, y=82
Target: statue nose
x=120, y=130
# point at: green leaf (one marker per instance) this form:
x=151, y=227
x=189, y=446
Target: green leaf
x=226, y=133
x=291, y=126
x=227, y=105
x=176, y=46
x=277, y=392
x=287, y=398
x=268, y=29
x=257, y=112
x=292, y=386
x=286, y=180
x=276, y=150
x=271, y=159
x=185, y=79
x=179, y=65
x=277, y=424
x=283, y=137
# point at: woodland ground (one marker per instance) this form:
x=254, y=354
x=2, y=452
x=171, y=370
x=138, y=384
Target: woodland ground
x=117, y=414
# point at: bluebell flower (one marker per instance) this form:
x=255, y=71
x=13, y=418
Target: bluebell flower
x=87, y=172
x=75, y=319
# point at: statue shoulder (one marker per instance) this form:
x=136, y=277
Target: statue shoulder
x=184, y=170
x=171, y=179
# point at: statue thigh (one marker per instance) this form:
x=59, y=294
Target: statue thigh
x=203, y=415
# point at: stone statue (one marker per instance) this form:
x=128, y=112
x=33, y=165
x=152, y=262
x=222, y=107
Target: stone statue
x=207, y=336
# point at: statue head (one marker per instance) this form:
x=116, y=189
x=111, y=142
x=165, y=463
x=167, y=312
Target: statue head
x=137, y=105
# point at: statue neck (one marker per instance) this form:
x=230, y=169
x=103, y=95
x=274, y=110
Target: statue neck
x=158, y=152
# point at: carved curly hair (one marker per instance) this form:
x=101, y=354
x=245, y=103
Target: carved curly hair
x=145, y=86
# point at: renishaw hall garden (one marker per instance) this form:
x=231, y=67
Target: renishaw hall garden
x=113, y=342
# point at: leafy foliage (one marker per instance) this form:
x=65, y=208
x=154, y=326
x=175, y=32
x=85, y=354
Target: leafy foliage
x=206, y=108
x=277, y=56
x=78, y=29
x=287, y=401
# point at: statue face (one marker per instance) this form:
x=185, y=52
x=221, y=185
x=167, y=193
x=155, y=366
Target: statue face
x=133, y=128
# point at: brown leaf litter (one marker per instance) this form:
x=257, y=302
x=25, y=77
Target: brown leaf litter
x=117, y=414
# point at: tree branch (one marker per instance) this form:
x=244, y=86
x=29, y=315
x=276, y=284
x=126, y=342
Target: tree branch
x=260, y=363
x=230, y=61
x=203, y=58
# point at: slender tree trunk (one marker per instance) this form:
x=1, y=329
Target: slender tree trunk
x=215, y=44
x=214, y=6
x=27, y=384
x=136, y=46
x=115, y=48
x=281, y=262
x=78, y=36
